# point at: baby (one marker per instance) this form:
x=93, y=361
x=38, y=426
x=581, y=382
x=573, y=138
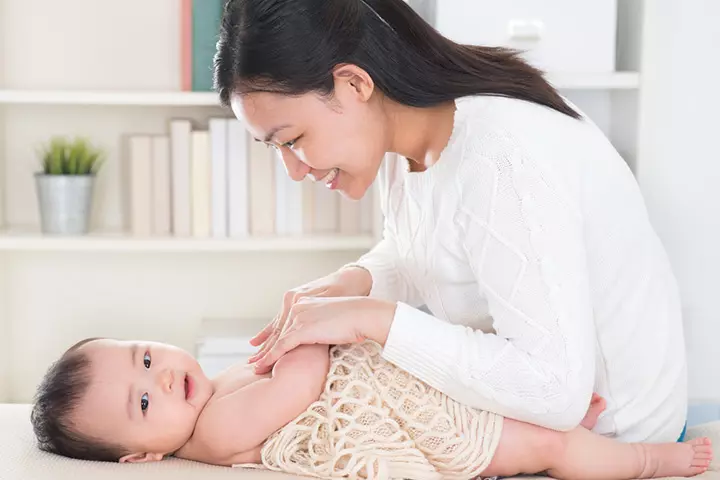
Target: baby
x=124, y=401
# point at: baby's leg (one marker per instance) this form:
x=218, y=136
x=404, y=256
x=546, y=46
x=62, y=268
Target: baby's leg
x=583, y=455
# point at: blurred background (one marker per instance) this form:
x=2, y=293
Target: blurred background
x=189, y=234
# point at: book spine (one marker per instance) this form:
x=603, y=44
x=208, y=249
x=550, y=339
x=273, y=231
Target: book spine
x=140, y=185
x=161, y=185
x=180, y=171
x=206, y=18
x=238, y=171
x=281, y=193
x=325, y=210
x=262, y=190
x=186, y=45
x=219, y=190
x=200, y=194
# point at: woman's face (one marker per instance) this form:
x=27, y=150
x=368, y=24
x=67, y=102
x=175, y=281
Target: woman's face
x=339, y=141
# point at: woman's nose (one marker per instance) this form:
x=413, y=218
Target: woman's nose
x=165, y=380
x=296, y=169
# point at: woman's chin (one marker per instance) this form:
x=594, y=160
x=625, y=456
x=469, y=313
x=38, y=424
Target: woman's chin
x=354, y=190
x=352, y=194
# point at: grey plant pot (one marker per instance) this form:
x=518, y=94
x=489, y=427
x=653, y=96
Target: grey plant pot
x=65, y=203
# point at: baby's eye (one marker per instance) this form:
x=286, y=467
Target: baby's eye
x=144, y=402
x=147, y=360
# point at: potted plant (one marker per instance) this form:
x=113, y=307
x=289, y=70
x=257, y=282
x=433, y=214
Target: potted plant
x=65, y=185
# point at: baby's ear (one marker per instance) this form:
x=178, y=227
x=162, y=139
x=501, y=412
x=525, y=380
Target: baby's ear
x=141, y=458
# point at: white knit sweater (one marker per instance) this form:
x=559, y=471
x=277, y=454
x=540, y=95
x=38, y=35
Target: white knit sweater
x=530, y=244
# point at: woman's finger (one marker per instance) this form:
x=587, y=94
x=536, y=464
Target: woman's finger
x=269, y=344
x=258, y=339
x=286, y=343
x=297, y=297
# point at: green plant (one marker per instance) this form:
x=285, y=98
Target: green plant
x=62, y=156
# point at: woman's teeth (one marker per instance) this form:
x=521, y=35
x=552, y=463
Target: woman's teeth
x=331, y=176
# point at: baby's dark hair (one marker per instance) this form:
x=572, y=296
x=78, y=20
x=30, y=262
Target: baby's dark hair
x=57, y=397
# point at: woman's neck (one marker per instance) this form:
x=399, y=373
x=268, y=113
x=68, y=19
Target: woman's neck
x=419, y=134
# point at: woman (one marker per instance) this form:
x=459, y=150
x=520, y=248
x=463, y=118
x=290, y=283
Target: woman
x=508, y=215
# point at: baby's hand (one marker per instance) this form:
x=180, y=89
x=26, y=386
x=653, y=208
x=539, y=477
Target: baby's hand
x=597, y=406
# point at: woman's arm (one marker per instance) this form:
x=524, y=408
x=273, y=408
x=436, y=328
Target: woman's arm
x=524, y=240
x=388, y=281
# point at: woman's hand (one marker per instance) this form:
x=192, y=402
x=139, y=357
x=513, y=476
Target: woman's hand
x=330, y=321
x=347, y=282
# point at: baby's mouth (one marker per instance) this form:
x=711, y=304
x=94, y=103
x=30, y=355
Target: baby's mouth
x=187, y=387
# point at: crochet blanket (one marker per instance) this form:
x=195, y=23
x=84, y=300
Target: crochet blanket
x=376, y=421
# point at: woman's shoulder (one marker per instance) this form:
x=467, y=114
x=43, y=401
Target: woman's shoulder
x=488, y=114
x=505, y=131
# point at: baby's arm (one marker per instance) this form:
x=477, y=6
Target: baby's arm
x=234, y=426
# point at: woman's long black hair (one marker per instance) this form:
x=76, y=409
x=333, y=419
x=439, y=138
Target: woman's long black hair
x=292, y=46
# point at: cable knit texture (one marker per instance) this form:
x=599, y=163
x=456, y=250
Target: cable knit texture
x=376, y=421
x=530, y=244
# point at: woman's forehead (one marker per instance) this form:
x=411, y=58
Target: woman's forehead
x=266, y=107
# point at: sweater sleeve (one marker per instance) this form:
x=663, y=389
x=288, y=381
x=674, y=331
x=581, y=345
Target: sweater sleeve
x=388, y=280
x=523, y=237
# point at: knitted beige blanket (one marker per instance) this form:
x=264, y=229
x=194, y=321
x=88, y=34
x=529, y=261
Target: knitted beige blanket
x=376, y=421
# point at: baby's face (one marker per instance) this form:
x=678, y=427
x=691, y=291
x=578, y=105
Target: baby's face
x=143, y=396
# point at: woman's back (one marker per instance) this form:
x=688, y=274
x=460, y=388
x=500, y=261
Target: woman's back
x=544, y=212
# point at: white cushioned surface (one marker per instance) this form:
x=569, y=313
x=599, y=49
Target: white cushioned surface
x=20, y=459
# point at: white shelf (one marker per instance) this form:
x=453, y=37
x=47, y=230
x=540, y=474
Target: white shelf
x=11, y=242
x=595, y=81
x=59, y=97
x=569, y=81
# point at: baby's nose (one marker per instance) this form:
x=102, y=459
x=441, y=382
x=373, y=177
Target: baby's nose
x=166, y=378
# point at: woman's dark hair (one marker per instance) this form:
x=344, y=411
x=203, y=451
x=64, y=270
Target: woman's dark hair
x=57, y=397
x=292, y=46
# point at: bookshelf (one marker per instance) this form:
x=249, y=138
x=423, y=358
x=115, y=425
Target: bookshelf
x=57, y=290
x=568, y=81
x=122, y=243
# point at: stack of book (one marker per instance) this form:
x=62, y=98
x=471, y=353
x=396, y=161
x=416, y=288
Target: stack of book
x=218, y=182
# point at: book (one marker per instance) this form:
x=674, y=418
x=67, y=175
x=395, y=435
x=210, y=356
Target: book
x=288, y=201
x=161, y=211
x=186, y=45
x=200, y=175
x=140, y=185
x=325, y=209
x=206, y=18
x=281, y=212
x=308, y=206
x=349, y=216
x=180, y=172
x=238, y=182
x=219, y=178
x=262, y=190
x=367, y=210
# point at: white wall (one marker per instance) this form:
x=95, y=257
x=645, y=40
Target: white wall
x=56, y=299
x=679, y=168
x=5, y=358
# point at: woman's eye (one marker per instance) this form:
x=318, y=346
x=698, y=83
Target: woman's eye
x=144, y=402
x=290, y=144
x=147, y=361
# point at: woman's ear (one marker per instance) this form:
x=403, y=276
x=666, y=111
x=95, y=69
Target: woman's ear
x=141, y=458
x=353, y=80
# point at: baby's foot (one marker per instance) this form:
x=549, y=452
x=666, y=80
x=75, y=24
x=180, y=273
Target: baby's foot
x=677, y=459
x=597, y=406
